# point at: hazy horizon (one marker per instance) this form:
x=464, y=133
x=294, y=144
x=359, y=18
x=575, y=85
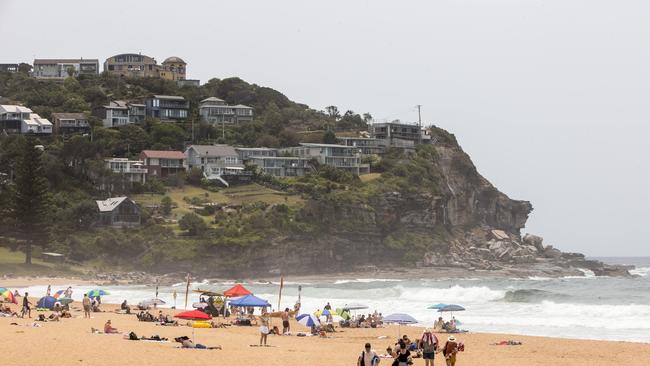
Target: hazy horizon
x=549, y=98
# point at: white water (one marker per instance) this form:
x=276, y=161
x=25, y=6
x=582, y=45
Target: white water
x=581, y=307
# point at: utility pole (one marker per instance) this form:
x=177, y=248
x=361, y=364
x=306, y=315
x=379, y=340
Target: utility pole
x=419, y=124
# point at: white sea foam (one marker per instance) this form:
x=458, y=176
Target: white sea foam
x=365, y=280
x=453, y=294
x=641, y=271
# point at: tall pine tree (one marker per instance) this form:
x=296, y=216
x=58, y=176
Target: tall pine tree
x=31, y=204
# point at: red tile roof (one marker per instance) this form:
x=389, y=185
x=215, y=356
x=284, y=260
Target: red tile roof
x=162, y=154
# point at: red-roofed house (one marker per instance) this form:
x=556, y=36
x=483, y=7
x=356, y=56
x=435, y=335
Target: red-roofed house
x=160, y=163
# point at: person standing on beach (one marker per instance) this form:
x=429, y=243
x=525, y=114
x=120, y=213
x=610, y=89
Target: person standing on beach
x=368, y=357
x=450, y=350
x=429, y=346
x=49, y=290
x=68, y=292
x=285, y=321
x=86, y=304
x=264, y=330
x=26, y=309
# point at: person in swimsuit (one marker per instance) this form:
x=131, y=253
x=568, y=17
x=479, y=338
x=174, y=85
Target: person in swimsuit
x=285, y=321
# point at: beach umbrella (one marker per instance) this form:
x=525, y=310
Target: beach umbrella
x=355, y=306
x=437, y=306
x=451, y=308
x=307, y=320
x=250, y=300
x=97, y=293
x=199, y=305
x=8, y=295
x=147, y=303
x=46, y=302
x=399, y=319
x=58, y=294
x=343, y=314
x=64, y=300
x=193, y=315
x=236, y=291
x=207, y=292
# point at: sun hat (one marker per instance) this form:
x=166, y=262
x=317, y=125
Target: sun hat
x=451, y=338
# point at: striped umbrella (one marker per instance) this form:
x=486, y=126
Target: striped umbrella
x=8, y=295
x=307, y=320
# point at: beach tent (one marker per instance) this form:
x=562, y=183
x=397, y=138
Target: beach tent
x=343, y=313
x=237, y=291
x=59, y=294
x=250, y=300
x=46, y=302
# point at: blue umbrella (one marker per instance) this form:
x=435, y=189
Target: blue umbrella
x=452, y=307
x=250, y=300
x=308, y=320
x=437, y=306
x=97, y=293
x=399, y=319
x=46, y=302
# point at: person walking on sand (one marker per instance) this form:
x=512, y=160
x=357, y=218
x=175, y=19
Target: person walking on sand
x=86, y=304
x=285, y=321
x=450, y=350
x=429, y=346
x=26, y=309
x=368, y=357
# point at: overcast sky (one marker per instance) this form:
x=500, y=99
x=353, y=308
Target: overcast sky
x=550, y=98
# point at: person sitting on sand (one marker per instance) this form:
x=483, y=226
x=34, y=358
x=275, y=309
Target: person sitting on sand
x=187, y=343
x=66, y=314
x=108, y=328
x=439, y=325
x=54, y=317
x=95, y=305
x=125, y=307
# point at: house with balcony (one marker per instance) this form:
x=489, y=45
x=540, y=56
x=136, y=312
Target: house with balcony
x=131, y=171
x=397, y=134
x=161, y=164
x=367, y=146
x=132, y=65
x=16, y=119
x=246, y=153
x=66, y=124
x=281, y=166
x=10, y=68
x=118, y=211
x=167, y=108
x=58, y=68
x=116, y=114
x=338, y=156
x=137, y=112
x=217, y=162
x=215, y=111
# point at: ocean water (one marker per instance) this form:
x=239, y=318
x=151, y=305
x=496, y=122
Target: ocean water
x=586, y=307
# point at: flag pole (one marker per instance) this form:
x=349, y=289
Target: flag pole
x=280, y=293
x=187, y=289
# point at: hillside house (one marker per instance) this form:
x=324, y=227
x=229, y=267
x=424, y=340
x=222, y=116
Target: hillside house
x=118, y=211
x=160, y=163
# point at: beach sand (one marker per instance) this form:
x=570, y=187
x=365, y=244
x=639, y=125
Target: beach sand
x=70, y=341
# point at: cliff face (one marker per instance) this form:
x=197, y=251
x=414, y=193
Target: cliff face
x=456, y=219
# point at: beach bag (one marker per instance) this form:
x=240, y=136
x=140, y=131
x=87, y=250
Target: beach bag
x=133, y=336
x=461, y=347
x=444, y=349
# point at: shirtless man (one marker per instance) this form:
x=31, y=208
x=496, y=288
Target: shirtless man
x=285, y=321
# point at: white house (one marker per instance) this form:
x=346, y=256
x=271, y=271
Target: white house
x=132, y=171
x=214, y=160
x=19, y=119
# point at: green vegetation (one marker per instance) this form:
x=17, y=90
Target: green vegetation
x=49, y=195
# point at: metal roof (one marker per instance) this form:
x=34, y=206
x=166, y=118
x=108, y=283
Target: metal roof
x=163, y=154
x=110, y=204
x=214, y=150
x=172, y=97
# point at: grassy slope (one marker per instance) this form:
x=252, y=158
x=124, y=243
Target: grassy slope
x=13, y=263
x=238, y=195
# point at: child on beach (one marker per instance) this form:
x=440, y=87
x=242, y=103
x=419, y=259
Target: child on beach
x=26, y=309
x=264, y=330
x=108, y=328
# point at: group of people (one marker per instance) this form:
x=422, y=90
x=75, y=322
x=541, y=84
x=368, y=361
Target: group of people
x=403, y=351
x=162, y=319
x=442, y=326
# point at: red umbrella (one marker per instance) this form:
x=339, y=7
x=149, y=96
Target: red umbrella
x=193, y=315
x=236, y=291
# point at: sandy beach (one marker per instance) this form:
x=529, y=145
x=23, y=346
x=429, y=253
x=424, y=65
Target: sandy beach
x=70, y=341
